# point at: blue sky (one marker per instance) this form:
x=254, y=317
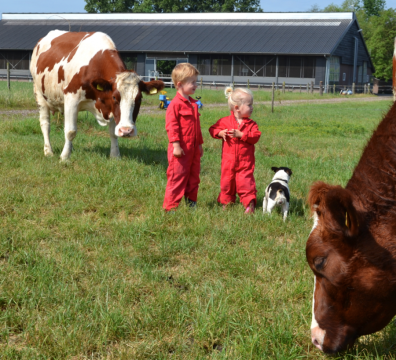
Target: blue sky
x=46, y=6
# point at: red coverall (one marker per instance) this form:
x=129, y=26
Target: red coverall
x=182, y=124
x=237, y=160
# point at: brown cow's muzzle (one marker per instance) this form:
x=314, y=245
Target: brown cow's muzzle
x=317, y=336
x=126, y=132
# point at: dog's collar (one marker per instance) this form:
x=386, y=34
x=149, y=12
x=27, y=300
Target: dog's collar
x=286, y=181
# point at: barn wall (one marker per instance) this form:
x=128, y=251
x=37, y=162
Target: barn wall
x=346, y=48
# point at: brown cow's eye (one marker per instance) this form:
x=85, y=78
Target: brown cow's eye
x=319, y=263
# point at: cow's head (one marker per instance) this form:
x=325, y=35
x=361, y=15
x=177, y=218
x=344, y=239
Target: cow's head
x=350, y=293
x=121, y=99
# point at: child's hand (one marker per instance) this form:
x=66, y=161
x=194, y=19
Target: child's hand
x=223, y=134
x=235, y=133
x=177, y=150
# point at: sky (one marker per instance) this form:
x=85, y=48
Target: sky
x=52, y=6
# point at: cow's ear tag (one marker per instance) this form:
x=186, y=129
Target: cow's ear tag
x=99, y=87
x=153, y=91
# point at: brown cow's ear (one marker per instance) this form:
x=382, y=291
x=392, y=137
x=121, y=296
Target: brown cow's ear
x=341, y=215
x=101, y=85
x=317, y=194
x=151, y=87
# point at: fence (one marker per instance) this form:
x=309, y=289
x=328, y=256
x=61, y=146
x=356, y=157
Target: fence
x=310, y=87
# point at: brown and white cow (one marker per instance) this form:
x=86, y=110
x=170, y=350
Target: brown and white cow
x=352, y=246
x=82, y=71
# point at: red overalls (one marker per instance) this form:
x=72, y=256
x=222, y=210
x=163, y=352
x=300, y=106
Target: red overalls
x=182, y=124
x=237, y=160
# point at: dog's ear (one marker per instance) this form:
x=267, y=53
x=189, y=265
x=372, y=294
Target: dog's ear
x=275, y=169
x=289, y=172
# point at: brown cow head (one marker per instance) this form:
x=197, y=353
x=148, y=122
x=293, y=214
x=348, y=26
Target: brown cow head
x=122, y=98
x=350, y=297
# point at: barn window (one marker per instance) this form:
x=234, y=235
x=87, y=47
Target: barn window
x=295, y=66
x=249, y=65
x=130, y=60
x=270, y=67
x=360, y=74
x=203, y=64
x=309, y=67
x=334, y=76
x=214, y=65
x=19, y=60
x=365, y=72
x=282, y=66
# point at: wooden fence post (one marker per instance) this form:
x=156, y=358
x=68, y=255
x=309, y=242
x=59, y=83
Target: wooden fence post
x=283, y=87
x=273, y=96
x=233, y=85
x=353, y=88
x=8, y=76
x=248, y=84
x=312, y=87
x=321, y=88
x=258, y=87
x=300, y=88
x=334, y=89
x=201, y=83
x=307, y=87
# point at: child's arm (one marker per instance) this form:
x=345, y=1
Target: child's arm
x=172, y=123
x=217, y=130
x=172, y=126
x=251, y=136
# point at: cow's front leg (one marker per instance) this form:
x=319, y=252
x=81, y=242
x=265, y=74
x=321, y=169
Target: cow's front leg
x=71, y=114
x=115, y=150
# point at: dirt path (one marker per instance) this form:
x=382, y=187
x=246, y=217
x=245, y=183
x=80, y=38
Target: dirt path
x=12, y=114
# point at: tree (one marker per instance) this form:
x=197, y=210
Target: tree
x=380, y=35
x=373, y=7
x=347, y=5
x=168, y=6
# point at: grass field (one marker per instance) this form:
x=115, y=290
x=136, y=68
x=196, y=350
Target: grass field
x=92, y=268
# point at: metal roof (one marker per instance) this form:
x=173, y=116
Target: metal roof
x=244, y=33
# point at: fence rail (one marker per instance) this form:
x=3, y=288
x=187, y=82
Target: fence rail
x=310, y=87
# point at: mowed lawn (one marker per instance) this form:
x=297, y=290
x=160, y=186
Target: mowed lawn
x=92, y=268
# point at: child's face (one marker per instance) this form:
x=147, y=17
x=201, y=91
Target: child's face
x=246, y=108
x=188, y=86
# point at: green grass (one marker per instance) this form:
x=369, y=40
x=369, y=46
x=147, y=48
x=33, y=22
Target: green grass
x=93, y=268
x=21, y=96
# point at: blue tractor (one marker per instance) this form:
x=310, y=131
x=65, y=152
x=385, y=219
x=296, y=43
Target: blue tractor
x=164, y=100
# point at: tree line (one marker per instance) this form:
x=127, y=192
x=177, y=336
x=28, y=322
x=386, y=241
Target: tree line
x=377, y=22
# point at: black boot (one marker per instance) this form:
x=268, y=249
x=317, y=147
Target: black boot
x=190, y=203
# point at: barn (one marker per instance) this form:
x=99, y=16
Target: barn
x=295, y=48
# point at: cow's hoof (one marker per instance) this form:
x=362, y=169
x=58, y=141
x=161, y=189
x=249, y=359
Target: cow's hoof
x=48, y=153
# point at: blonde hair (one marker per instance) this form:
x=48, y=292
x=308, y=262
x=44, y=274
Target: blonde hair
x=236, y=96
x=183, y=71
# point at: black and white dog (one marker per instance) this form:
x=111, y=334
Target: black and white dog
x=277, y=192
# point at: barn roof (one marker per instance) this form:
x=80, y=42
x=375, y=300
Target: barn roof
x=255, y=33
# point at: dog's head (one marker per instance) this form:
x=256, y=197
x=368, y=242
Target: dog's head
x=282, y=173
x=280, y=197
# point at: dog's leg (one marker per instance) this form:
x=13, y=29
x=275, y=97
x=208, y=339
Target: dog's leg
x=285, y=209
x=265, y=202
x=271, y=204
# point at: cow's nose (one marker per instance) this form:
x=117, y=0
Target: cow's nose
x=126, y=131
x=317, y=335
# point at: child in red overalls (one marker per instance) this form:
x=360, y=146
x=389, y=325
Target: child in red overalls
x=185, y=140
x=239, y=134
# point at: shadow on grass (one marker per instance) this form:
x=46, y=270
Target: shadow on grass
x=145, y=155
